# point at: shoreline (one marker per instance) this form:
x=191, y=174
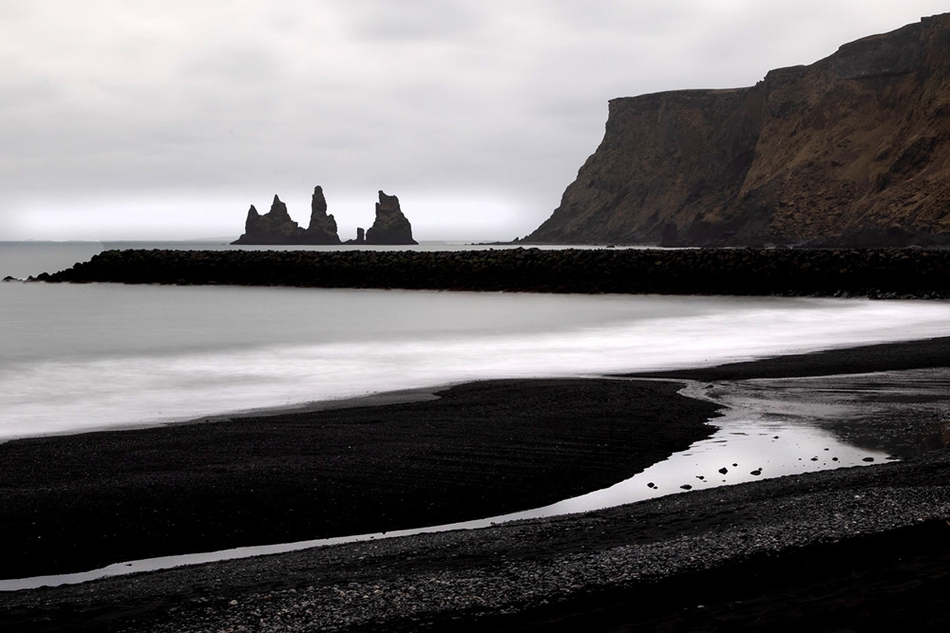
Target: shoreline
x=81, y=502
x=586, y=568
x=398, y=396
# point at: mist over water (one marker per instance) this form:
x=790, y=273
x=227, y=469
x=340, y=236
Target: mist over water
x=82, y=357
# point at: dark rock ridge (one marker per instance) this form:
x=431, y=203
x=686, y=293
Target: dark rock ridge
x=276, y=226
x=880, y=273
x=391, y=226
x=853, y=150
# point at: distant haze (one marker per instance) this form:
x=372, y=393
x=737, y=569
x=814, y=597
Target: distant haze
x=166, y=120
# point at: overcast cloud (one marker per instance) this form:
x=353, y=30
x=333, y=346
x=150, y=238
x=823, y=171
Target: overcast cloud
x=166, y=119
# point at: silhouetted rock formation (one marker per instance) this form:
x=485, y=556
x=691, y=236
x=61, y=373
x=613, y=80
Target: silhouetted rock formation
x=276, y=226
x=391, y=226
x=853, y=150
x=360, y=237
x=322, y=229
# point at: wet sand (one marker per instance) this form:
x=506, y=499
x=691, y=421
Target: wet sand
x=859, y=548
x=76, y=503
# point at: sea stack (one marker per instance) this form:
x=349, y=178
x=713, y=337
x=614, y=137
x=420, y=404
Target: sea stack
x=274, y=227
x=322, y=229
x=360, y=237
x=391, y=226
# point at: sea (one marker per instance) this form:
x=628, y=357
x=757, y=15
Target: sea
x=79, y=357
x=82, y=357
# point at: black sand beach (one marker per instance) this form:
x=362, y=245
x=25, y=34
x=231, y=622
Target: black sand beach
x=81, y=502
x=853, y=549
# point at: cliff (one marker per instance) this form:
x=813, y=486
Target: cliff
x=853, y=150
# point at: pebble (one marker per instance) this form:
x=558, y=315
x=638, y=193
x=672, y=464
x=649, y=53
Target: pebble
x=531, y=565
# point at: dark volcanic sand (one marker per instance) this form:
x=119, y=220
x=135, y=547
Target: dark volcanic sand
x=855, y=360
x=853, y=549
x=82, y=502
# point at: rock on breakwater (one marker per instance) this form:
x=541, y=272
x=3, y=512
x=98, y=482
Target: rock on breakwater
x=878, y=273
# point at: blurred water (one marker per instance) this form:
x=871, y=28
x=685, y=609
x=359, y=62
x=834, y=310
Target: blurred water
x=81, y=357
x=23, y=259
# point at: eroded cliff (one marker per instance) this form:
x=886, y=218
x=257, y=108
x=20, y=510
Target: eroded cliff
x=853, y=150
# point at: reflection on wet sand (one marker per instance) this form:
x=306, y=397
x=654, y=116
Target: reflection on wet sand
x=900, y=413
x=788, y=426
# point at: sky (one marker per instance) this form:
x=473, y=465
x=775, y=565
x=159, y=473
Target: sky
x=142, y=119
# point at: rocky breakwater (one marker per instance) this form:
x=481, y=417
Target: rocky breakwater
x=881, y=273
x=853, y=150
x=276, y=226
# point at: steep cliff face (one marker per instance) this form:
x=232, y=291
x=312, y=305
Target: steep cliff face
x=391, y=226
x=853, y=150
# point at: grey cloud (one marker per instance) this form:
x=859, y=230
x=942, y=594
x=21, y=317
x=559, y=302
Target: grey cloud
x=507, y=98
x=235, y=63
x=414, y=20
